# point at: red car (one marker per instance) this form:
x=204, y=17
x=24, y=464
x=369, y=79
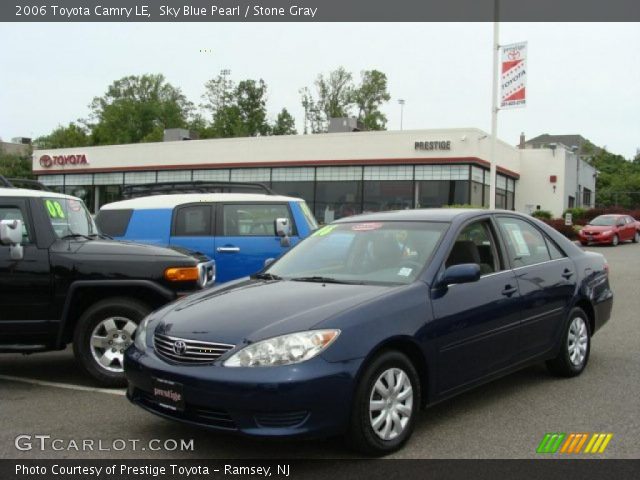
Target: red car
x=610, y=230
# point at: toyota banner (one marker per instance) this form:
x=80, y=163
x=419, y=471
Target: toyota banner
x=513, y=77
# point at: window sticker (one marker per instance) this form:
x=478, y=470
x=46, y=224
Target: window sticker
x=326, y=230
x=54, y=208
x=519, y=243
x=405, y=271
x=366, y=227
x=74, y=205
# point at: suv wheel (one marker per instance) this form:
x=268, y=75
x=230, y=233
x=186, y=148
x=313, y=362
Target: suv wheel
x=576, y=346
x=104, y=331
x=385, y=406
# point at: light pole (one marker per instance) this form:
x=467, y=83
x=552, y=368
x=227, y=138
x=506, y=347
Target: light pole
x=401, y=101
x=494, y=108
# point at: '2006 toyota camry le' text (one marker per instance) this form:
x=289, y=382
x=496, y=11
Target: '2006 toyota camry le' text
x=369, y=319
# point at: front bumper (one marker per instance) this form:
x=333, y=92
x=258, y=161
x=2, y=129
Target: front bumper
x=596, y=239
x=309, y=399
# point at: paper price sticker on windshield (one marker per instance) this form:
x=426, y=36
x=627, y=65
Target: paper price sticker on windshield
x=366, y=227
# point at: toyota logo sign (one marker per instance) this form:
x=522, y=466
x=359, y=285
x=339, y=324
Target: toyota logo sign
x=48, y=161
x=179, y=347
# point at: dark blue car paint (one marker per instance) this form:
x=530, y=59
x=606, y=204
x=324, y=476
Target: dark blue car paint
x=458, y=336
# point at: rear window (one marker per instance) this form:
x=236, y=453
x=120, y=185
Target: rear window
x=114, y=222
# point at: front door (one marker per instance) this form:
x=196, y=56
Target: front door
x=476, y=323
x=25, y=285
x=246, y=237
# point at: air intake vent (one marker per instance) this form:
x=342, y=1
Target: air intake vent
x=190, y=352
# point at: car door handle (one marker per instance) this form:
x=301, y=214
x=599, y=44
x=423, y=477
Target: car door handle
x=228, y=249
x=567, y=273
x=509, y=290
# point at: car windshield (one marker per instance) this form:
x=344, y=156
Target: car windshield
x=365, y=252
x=603, y=221
x=69, y=217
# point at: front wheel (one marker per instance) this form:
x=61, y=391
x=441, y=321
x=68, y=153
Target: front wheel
x=103, y=332
x=636, y=237
x=385, y=405
x=576, y=346
x=615, y=240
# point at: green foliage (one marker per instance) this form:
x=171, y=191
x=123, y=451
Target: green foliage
x=542, y=214
x=284, y=124
x=15, y=166
x=577, y=213
x=336, y=96
x=137, y=109
x=616, y=177
x=566, y=230
x=73, y=135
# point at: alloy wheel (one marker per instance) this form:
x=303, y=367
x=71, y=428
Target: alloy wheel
x=110, y=339
x=391, y=403
x=577, y=341
x=615, y=240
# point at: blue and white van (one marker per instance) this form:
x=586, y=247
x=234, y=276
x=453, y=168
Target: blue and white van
x=240, y=231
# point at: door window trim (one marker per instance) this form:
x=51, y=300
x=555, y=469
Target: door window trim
x=219, y=225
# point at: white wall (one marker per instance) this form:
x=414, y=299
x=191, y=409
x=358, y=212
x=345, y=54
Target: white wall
x=535, y=188
x=587, y=179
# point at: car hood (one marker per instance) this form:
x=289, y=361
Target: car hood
x=251, y=310
x=598, y=228
x=120, y=248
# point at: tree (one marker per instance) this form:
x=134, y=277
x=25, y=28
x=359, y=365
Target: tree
x=369, y=97
x=137, y=109
x=15, y=166
x=73, y=135
x=284, y=124
x=251, y=99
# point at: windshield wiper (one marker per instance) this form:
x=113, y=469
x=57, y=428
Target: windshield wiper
x=320, y=279
x=76, y=235
x=101, y=235
x=266, y=276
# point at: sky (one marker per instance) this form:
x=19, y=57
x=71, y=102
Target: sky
x=583, y=78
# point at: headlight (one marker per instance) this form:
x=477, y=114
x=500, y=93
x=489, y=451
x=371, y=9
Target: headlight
x=283, y=350
x=608, y=232
x=140, y=340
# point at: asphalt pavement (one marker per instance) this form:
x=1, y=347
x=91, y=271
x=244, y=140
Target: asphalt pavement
x=47, y=394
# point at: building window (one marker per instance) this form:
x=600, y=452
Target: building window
x=586, y=197
x=295, y=189
x=439, y=193
x=108, y=194
x=108, y=178
x=442, y=172
x=83, y=192
x=293, y=174
x=387, y=195
x=139, y=178
x=211, y=175
x=251, y=175
x=501, y=192
x=572, y=201
x=174, y=176
x=337, y=199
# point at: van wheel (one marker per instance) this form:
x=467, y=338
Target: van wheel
x=103, y=333
x=576, y=346
x=385, y=406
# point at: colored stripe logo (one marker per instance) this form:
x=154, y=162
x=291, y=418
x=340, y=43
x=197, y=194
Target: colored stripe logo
x=573, y=443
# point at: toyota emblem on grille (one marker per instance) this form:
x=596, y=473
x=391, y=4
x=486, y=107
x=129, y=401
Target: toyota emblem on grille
x=179, y=347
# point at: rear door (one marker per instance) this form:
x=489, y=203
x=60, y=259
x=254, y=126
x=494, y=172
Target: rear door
x=546, y=280
x=246, y=237
x=192, y=227
x=25, y=285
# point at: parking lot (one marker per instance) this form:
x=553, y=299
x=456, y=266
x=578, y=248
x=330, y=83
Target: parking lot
x=46, y=394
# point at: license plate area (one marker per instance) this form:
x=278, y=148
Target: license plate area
x=168, y=394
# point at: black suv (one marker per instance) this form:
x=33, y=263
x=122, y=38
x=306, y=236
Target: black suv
x=63, y=282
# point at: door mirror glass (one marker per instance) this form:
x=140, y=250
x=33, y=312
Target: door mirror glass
x=461, y=273
x=282, y=227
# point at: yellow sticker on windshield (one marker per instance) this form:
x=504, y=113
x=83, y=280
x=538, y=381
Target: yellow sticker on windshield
x=326, y=230
x=54, y=208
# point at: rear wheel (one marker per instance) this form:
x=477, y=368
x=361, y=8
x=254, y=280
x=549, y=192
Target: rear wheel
x=385, y=405
x=576, y=346
x=104, y=331
x=636, y=237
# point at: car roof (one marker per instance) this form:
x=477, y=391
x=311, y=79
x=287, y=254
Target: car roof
x=26, y=193
x=170, y=201
x=422, y=214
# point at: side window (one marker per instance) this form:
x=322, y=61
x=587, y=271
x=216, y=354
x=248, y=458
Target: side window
x=476, y=244
x=525, y=244
x=244, y=220
x=13, y=212
x=193, y=221
x=114, y=222
x=554, y=251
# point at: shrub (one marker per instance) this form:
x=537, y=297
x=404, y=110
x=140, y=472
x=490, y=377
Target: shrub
x=578, y=215
x=594, y=212
x=566, y=230
x=542, y=214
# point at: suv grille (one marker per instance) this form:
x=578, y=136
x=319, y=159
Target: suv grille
x=191, y=352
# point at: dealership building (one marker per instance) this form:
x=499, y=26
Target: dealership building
x=338, y=174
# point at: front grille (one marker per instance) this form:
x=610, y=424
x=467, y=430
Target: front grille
x=216, y=418
x=189, y=352
x=281, y=420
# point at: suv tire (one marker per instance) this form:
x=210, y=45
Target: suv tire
x=102, y=333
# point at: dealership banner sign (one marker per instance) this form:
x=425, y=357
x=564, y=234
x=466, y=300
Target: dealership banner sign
x=513, y=77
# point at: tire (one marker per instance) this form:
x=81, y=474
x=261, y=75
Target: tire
x=615, y=241
x=362, y=436
x=636, y=237
x=573, y=358
x=111, y=324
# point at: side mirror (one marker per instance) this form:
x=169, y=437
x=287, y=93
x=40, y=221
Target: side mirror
x=11, y=234
x=283, y=229
x=462, y=273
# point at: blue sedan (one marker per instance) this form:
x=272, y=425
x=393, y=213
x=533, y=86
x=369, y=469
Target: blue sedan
x=368, y=320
